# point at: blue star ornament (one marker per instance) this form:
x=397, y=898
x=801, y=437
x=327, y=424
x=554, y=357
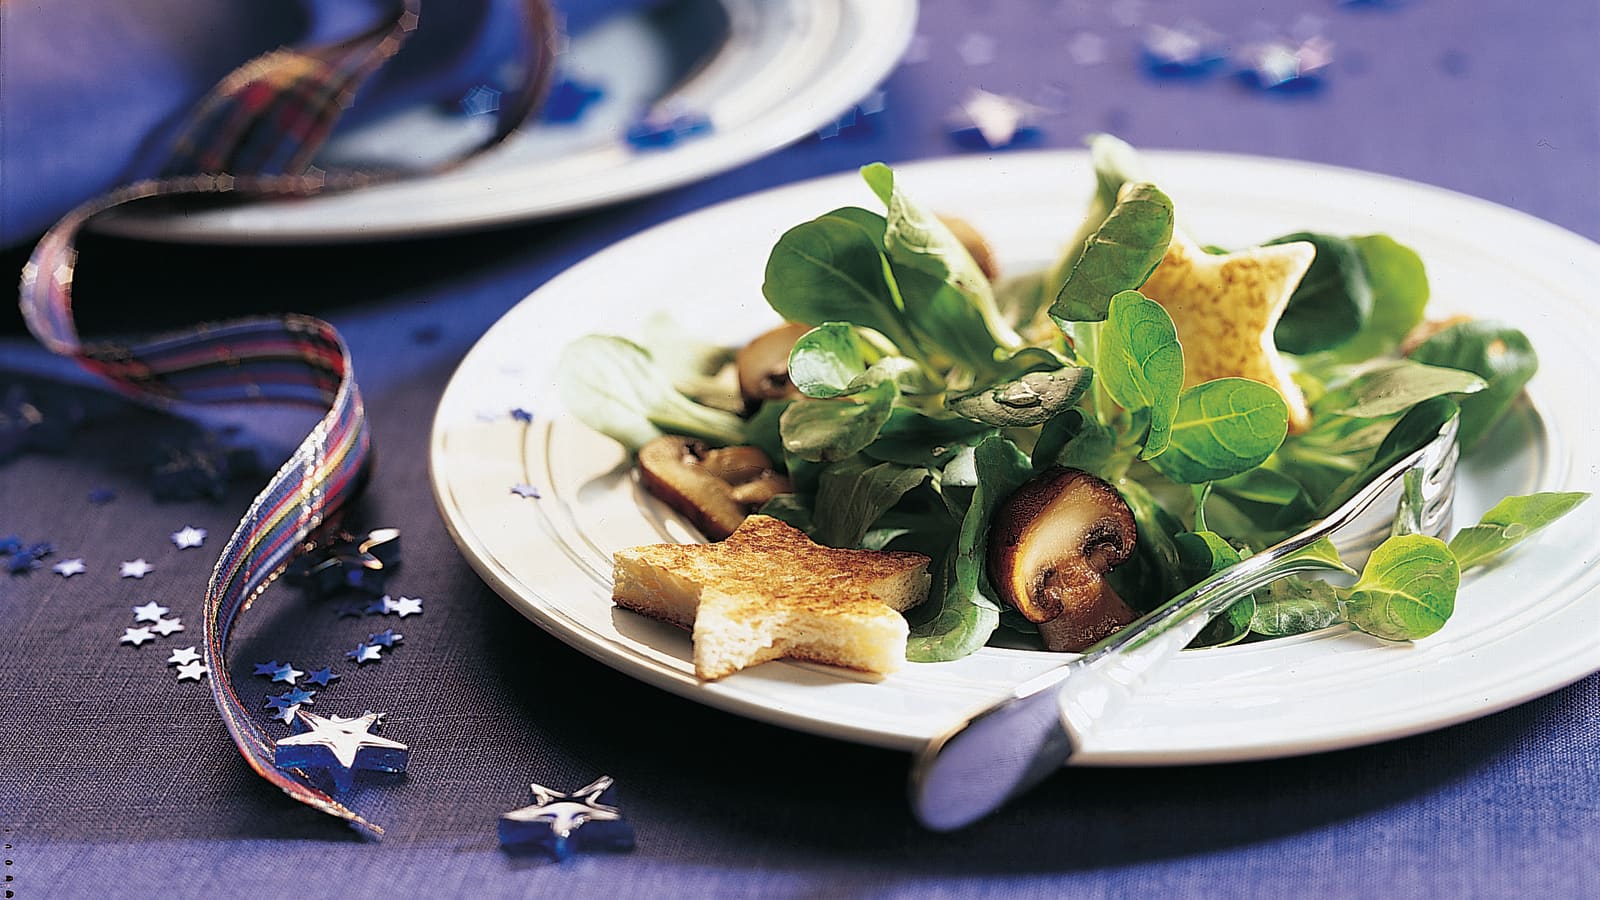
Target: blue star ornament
x=323, y=676
x=561, y=824
x=339, y=747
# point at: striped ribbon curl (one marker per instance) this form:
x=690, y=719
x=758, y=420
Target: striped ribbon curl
x=254, y=137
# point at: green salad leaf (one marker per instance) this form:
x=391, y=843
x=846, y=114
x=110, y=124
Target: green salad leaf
x=1032, y=399
x=1393, y=387
x=1332, y=302
x=1295, y=605
x=614, y=386
x=1223, y=428
x=1118, y=256
x=1510, y=522
x=1202, y=554
x=1407, y=590
x=1399, y=285
x=853, y=493
x=828, y=430
x=1140, y=363
x=1500, y=355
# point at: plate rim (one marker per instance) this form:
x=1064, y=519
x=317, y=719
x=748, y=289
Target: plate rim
x=1571, y=667
x=894, y=28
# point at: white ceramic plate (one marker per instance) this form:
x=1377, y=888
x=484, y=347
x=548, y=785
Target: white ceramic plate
x=1521, y=629
x=786, y=68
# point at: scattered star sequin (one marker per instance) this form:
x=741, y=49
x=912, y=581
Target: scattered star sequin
x=150, y=612
x=70, y=567
x=386, y=638
x=561, y=824
x=525, y=491
x=295, y=697
x=989, y=121
x=1284, y=66
x=664, y=128
x=188, y=536
x=481, y=100
x=192, y=671
x=137, y=568
x=860, y=120
x=167, y=627
x=268, y=668
x=323, y=676
x=286, y=715
x=136, y=636
x=569, y=99
x=522, y=415
x=286, y=673
x=365, y=653
x=183, y=657
x=1190, y=50
x=406, y=606
x=339, y=747
x=381, y=607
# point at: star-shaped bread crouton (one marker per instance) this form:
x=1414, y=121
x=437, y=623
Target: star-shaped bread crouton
x=1225, y=308
x=768, y=592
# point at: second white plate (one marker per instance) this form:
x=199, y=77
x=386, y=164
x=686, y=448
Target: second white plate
x=1521, y=629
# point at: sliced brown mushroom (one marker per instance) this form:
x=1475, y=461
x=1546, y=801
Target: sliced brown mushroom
x=763, y=364
x=1051, y=544
x=714, y=488
x=971, y=239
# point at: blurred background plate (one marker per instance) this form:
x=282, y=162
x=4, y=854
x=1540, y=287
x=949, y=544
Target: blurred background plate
x=765, y=72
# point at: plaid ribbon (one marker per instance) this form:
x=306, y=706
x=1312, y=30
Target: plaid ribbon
x=258, y=130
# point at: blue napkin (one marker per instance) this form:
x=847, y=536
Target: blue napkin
x=95, y=92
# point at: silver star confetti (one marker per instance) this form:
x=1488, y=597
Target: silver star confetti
x=166, y=627
x=405, y=606
x=525, y=491
x=365, y=653
x=70, y=567
x=192, y=671
x=188, y=536
x=286, y=715
x=339, y=747
x=183, y=657
x=150, y=612
x=992, y=121
x=286, y=672
x=563, y=823
x=136, y=636
x=137, y=568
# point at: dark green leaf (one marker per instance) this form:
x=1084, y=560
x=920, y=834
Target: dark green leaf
x=1500, y=355
x=1272, y=499
x=1030, y=400
x=763, y=428
x=1154, y=575
x=854, y=492
x=1399, y=285
x=1119, y=256
x=1407, y=590
x=1202, y=554
x=1413, y=432
x=1140, y=363
x=1115, y=164
x=966, y=615
x=1076, y=441
x=1508, y=523
x=917, y=439
x=828, y=430
x=832, y=269
x=1223, y=427
x=790, y=508
x=1393, y=387
x=1332, y=301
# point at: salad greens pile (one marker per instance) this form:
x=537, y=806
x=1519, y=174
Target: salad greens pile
x=930, y=394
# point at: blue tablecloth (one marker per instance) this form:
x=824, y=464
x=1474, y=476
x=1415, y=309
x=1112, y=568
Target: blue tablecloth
x=115, y=780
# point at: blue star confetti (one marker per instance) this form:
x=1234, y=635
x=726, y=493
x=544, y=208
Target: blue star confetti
x=385, y=638
x=1286, y=66
x=295, y=697
x=988, y=121
x=26, y=559
x=286, y=673
x=525, y=491
x=522, y=415
x=382, y=606
x=102, y=496
x=481, y=100
x=561, y=824
x=269, y=668
x=1190, y=50
x=365, y=653
x=348, y=562
x=286, y=715
x=662, y=128
x=860, y=120
x=323, y=676
x=569, y=99
x=338, y=747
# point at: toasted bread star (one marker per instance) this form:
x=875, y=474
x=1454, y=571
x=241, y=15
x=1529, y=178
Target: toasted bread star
x=768, y=592
x=1225, y=308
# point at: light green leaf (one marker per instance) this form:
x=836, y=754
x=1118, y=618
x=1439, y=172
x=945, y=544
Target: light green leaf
x=1394, y=387
x=1399, y=285
x=1118, y=256
x=1511, y=521
x=853, y=493
x=832, y=269
x=827, y=430
x=827, y=359
x=1140, y=363
x=1115, y=164
x=1223, y=427
x=1407, y=591
x=612, y=385
x=1295, y=605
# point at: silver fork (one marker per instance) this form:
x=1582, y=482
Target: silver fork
x=1009, y=746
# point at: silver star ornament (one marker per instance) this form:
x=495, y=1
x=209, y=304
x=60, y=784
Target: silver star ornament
x=339, y=747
